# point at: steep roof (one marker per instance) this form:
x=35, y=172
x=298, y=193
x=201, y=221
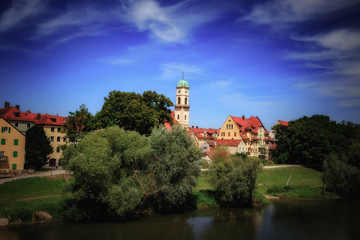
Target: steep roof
x=284, y=123
x=46, y=119
x=199, y=132
x=249, y=124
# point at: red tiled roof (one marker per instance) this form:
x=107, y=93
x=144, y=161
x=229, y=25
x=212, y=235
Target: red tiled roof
x=272, y=147
x=46, y=119
x=199, y=132
x=240, y=123
x=14, y=114
x=284, y=123
x=167, y=124
x=227, y=142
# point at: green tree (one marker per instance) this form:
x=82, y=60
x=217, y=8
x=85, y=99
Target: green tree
x=118, y=173
x=79, y=122
x=135, y=112
x=37, y=148
x=234, y=179
x=176, y=166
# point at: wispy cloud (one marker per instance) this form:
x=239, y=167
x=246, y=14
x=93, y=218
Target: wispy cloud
x=20, y=11
x=339, y=40
x=170, y=23
x=281, y=12
x=74, y=23
x=171, y=71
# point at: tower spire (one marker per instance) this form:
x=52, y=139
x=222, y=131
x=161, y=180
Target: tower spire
x=183, y=75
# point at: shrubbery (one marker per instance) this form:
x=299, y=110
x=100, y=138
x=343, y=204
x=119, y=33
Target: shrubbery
x=119, y=173
x=233, y=179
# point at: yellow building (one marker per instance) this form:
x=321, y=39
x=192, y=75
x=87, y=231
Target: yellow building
x=252, y=133
x=12, y=147
x=54, y=130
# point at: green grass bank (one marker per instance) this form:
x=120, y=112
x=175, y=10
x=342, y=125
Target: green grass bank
x=20, y=198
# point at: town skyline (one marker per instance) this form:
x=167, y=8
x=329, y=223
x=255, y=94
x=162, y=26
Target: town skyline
x=248, y=58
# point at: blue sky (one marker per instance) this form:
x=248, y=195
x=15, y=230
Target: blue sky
x=277, y=59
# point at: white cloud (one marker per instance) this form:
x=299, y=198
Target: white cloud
x=20, y=11
x=170, y=23
x=84, y=21
x=279, y=12
x=340, y=40
x=314, y=56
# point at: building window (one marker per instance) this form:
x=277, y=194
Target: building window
x=6, y=129
x=15, y=153
x=179, y=100
x=52, y=129
x=178, y=116
x=52, y=138
x=185, y=117
x=185, y=101
x=28, y=125
x=64, y=139
x=59, y=129
x=2, y=154
x=234, y=134
x=16, y=142
x=3, y=141
x=58, y=149
x=16, y=124
x=223, y=134
x=228, y=134
x=58, y=139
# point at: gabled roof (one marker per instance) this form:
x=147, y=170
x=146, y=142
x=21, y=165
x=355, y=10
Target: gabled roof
x=249, y=124
x=199, y=132
x=46, y=119
x=227, y=142
x=14, y=114
x=11, y=125
x=284, y=123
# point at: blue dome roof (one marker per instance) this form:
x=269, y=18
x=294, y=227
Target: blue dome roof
x=183, y=83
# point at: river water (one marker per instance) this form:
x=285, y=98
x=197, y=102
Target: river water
x=305, y=220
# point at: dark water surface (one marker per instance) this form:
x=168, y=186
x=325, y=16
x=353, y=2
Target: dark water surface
x=332, y=219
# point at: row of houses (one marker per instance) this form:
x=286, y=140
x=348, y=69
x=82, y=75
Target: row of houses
x=14, y=126
x=237, y=135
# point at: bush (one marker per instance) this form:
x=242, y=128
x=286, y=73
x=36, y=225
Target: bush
x=234, y=179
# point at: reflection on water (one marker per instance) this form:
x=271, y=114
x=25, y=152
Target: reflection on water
x=335, y=219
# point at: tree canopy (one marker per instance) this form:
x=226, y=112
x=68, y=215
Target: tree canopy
x=37, y=148
x=325, y=145
x=80, y=121
x=118, y=173
x=136, y=112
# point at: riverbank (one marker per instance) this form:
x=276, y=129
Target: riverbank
x=20, y=199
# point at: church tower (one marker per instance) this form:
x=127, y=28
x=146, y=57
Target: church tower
x=182, y=106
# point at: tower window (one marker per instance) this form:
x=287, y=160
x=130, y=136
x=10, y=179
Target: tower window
x=185, y=101
x=178, y=117
x=185, y=117
x=179, y=100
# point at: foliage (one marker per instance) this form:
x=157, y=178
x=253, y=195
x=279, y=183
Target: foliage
x=234, y=179
x=205, y=198
x=118, y=173
x=37, y=147
x=177, y=162
x=80, y=121
x=135, y=112
x=340, y=176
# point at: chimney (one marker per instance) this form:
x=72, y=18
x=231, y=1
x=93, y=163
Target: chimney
x=17, y=107
x=7, y=104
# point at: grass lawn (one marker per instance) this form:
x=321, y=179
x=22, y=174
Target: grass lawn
x=304, y=182
x=20, y=198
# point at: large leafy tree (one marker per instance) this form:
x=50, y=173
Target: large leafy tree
x=79, y=122
x=136, y=112
x=233, y=179
x=37, y=147
x=118, y=173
